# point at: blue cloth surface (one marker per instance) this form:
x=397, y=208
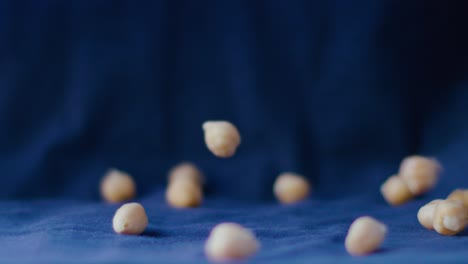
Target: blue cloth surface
x=339, y=91
x=313, y=231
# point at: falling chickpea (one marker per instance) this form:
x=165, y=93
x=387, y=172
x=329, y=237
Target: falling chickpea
x=117, y=186
x=130, y=219
x=186, y=171
x=184, y=194
x=420, y=173
x=291, y=188
x=230, y=241
x=450, y=217
x=365, y=235
x=395, y=191
x=426, y=214
x=221, y=137
x=459, y=195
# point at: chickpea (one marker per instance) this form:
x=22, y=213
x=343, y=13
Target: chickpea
x=459, y=195
x=291, y=188
x=420, y=174
x=221, y=137
x=130, y=219
x=450, y=217
x=365, y=235
x=230, y=241
x=117, y=186
x=184, y=194
x=395, y=191
x=186, y=171
x=426, y=214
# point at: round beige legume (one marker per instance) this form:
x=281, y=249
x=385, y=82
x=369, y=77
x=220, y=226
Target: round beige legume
x=426, y=214
x=365, y=235
x=186, y=171
x=291, y=188
x=230, y=241
x=459, y=195
x=184, y=194
x=395, y=191
x=420, y=174
x=450, y=217
x=130, y=219
x=221, y=137
x=117, y=186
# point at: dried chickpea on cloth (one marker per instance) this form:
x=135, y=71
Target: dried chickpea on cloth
x=185, y=186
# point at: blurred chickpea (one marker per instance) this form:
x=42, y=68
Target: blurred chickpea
x=365, y=235
x=184, y=194
x=459, y=195
x=426, y=214
x=221, y=137
x=291, y=188
x=117, y=186
x=395, y=191
x=450, y=217
x=130, y=219
x=420, y=174
x=186, y=171
x=230, y=241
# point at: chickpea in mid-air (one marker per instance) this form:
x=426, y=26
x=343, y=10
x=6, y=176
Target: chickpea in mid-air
x=221, y=137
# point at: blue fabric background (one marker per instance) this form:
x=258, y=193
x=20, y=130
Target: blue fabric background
x=339, y=91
